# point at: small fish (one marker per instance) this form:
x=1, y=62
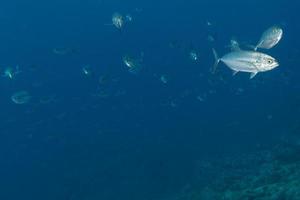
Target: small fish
x=269, y=38
x=134, y=65
x=246, y=61
x=10, y=72
x=164, y=79
x=21, y=97
x=128, y=18
x=193, y=55
x=86, y=70
x=234, y=45
x=118, y=20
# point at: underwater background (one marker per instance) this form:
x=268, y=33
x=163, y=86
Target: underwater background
x=90, y=128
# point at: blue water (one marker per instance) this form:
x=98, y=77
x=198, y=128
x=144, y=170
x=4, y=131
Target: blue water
x=140, y=138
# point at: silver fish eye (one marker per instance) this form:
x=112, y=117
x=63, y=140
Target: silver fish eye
x=270, y=61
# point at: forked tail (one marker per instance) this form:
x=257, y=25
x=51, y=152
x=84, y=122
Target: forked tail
x=217, y=60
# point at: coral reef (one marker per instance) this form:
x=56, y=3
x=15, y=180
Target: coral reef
x=267, y=175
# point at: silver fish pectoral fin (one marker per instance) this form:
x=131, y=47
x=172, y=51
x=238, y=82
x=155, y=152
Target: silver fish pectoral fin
x=253, y=74
x=234, y=72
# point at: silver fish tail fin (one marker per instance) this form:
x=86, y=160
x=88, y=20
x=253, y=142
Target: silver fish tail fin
x=217, y=60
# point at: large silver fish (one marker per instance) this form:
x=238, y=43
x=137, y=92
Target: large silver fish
x=246, y=61
x=269, y=38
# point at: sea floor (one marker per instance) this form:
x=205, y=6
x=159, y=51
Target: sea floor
x=264, y=175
